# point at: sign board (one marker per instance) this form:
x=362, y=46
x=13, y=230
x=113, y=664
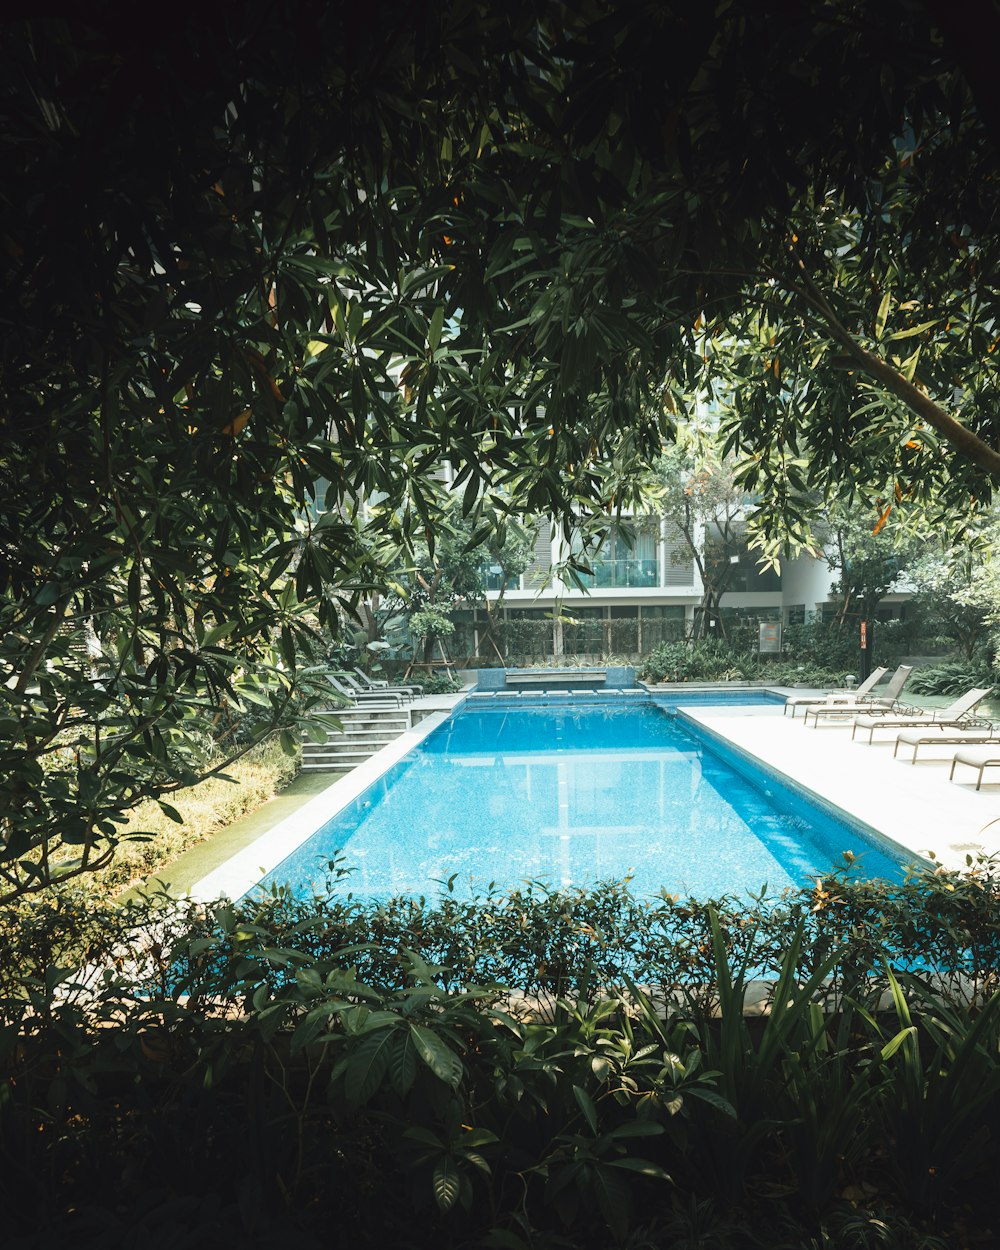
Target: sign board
x=769, y=638
x=864, y=635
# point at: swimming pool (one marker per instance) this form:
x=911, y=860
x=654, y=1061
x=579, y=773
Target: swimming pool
x=571, y=794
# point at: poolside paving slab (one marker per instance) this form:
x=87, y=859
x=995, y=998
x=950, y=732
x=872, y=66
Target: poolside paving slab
x=914, y=805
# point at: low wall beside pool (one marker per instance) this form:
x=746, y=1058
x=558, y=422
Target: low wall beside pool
x=614, y=677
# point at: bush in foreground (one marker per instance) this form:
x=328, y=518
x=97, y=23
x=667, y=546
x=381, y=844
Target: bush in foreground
x=536, y=1069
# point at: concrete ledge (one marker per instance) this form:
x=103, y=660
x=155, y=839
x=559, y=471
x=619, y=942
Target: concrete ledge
x=560, y=677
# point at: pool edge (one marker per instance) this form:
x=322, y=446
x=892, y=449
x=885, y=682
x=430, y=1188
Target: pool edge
x=244, y=870
x=712, y=738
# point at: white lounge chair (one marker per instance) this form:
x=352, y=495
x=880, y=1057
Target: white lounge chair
x=956, y=714
x=942, y=735
x=884, y=703
x=976, y=757
x=860, y=695
x=360, y=678
x=371, y=699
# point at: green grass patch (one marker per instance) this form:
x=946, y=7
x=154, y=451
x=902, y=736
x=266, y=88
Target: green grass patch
x=151, y=840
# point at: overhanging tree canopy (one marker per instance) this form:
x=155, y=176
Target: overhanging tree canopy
x=260, y=252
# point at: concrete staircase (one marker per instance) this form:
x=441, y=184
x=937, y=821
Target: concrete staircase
x=366, y=730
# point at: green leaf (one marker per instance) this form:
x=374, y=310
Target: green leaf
x=435, y=329
x=445, y=1065
x=890, y=1048
x=170, y=811
x=402, y=1062
x=47, y=594
x=642, y=1166
x=368, y=1065
x=447, y=1183
x=612, y=1199
x=637, y=1128
x=882, y=315
x=908, y=334
x=713, y=1099
x=586, y=1105
x=217, y=633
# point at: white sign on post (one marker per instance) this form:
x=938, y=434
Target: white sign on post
x=769, y=638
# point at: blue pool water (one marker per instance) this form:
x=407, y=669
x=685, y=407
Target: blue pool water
x=571, y=795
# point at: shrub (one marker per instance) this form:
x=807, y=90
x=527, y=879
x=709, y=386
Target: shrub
x=300, y=1066
x=782, y=673
x=491, y=1071
x=669, y=661
x=439, y=683
x=951, y=677
x=151, y=839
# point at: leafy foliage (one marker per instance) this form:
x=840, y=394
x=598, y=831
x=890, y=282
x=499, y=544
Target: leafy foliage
x=951, y=677
x=342, y=250
x=867, y=557
x=318, y=1063
x=699, y=495
x=440, y=683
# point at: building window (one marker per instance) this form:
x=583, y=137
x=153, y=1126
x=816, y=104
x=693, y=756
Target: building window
x=797, y=614
x=492, y=575
x=626, y=558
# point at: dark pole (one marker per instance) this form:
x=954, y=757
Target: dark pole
x=866, y=650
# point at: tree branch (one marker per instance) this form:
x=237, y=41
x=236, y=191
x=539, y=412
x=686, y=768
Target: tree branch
x=920, y=403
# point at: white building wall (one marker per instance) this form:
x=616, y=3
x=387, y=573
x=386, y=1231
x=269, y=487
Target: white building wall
x=805, y=581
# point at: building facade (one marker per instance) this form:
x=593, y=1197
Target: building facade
x=638, y=596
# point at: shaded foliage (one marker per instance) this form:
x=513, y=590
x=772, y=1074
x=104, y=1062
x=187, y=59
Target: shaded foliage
x=255, y=255
x=354, y=1072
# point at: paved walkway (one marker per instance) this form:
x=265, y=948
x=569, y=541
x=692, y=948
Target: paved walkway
x=913, y=804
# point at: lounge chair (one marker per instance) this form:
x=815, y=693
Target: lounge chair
x=976, y=757
x=943, y=735
x=860, y=695
x=956, y=714
x=364, y=698
x=884, y=703
x=360, y=678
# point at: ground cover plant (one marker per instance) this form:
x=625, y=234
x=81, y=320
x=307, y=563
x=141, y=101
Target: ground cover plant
x=953, y=677
x=537, y=1069
x=151, y=839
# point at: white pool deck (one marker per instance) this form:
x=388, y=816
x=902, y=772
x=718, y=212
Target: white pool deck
x=914, y=805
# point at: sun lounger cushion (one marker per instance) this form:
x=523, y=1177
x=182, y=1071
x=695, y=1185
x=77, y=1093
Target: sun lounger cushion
x=941, y=735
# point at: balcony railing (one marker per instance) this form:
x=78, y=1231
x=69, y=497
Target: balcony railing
x=632, y=573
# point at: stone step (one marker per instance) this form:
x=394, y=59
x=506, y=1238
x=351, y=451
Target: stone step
x=362, y=724
x=354, y=741
x=333, y=763
x=367, y=728
x=369, y=713
x=345, y=759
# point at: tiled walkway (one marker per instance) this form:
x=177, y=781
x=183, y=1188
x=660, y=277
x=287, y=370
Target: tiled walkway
x=913, y=804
